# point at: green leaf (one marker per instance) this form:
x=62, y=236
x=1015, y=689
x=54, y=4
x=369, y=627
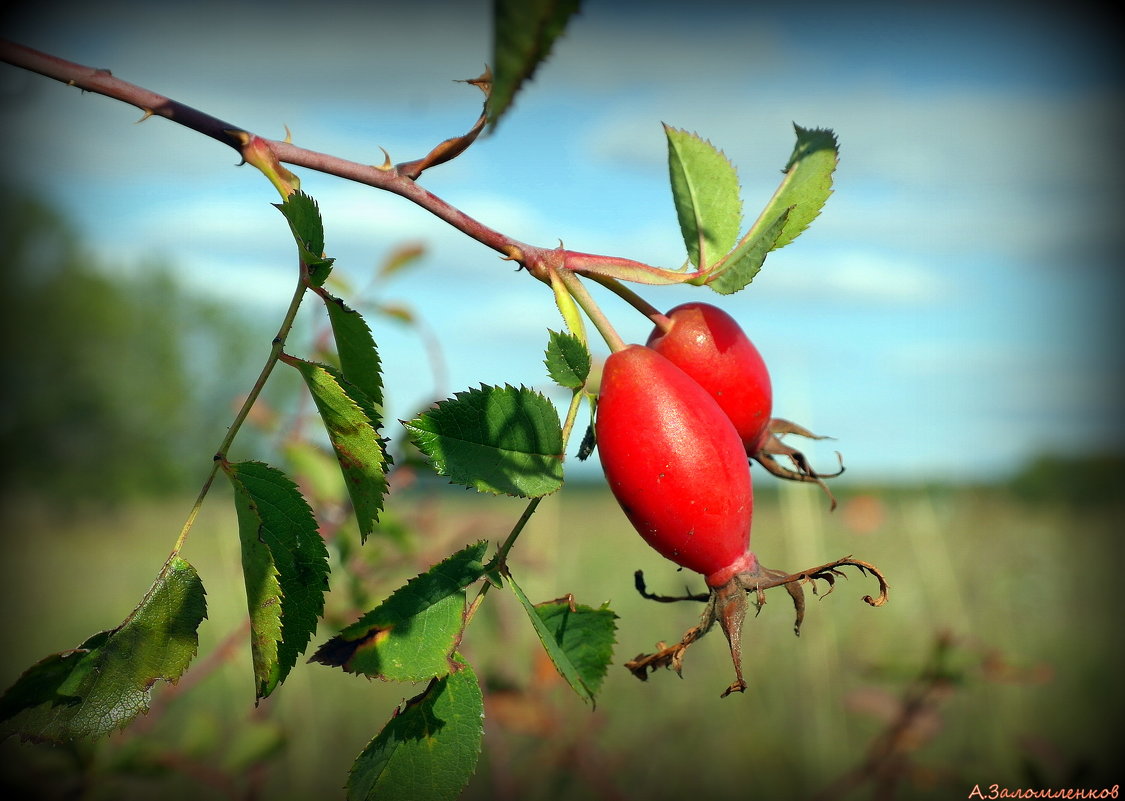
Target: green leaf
x=429, y=748
x=107, y=681
x=807, y=182
x=705, y=191
x=304, y=219
x=523, y=33
x=285, y=566
x=743, y=263
x=585, y=635
x=493, y=439
x=350, y=420
x=411, y=636
x=568, y=360
x=319, y=270
x=359, y=358
x=579, y=640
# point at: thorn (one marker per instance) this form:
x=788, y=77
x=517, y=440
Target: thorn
x=387, y=164
x=482, y=81
x=513, y=253
x=288, y=136
x=147, y=113
x=242, y=137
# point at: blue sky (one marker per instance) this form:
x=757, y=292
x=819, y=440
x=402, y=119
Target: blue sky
x=953, y=312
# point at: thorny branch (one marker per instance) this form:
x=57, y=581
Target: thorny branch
x=398, y=179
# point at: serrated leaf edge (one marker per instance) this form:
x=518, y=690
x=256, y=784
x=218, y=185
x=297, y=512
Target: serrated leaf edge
x=704, y=259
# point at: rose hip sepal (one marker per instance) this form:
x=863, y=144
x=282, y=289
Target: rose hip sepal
x=710, y=346
x=727, y=605
x=674, y=462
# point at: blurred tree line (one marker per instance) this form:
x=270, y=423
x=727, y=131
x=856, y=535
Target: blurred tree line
x=1087, y=480
x=114, y=379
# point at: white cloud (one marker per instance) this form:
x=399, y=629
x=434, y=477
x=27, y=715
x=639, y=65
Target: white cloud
x=860, y=277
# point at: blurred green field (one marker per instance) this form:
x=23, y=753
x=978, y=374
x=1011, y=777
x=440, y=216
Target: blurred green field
x=1030, y=691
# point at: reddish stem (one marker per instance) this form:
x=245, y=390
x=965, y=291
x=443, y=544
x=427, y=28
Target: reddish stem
x=102, y=82
x=386, y=177
x=662, y=321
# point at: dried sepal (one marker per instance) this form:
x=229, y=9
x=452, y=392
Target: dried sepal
x=771, y=447
x=827, y=572
x=757, y=585
x=729, y=606
x=670, y=656
x=726, y=605
x=639, y=583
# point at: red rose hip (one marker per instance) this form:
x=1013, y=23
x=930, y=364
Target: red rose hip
x=675, y=464
x=709, y=345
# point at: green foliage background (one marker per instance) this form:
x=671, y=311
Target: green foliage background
x=1026, y=590
x=108, y=383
